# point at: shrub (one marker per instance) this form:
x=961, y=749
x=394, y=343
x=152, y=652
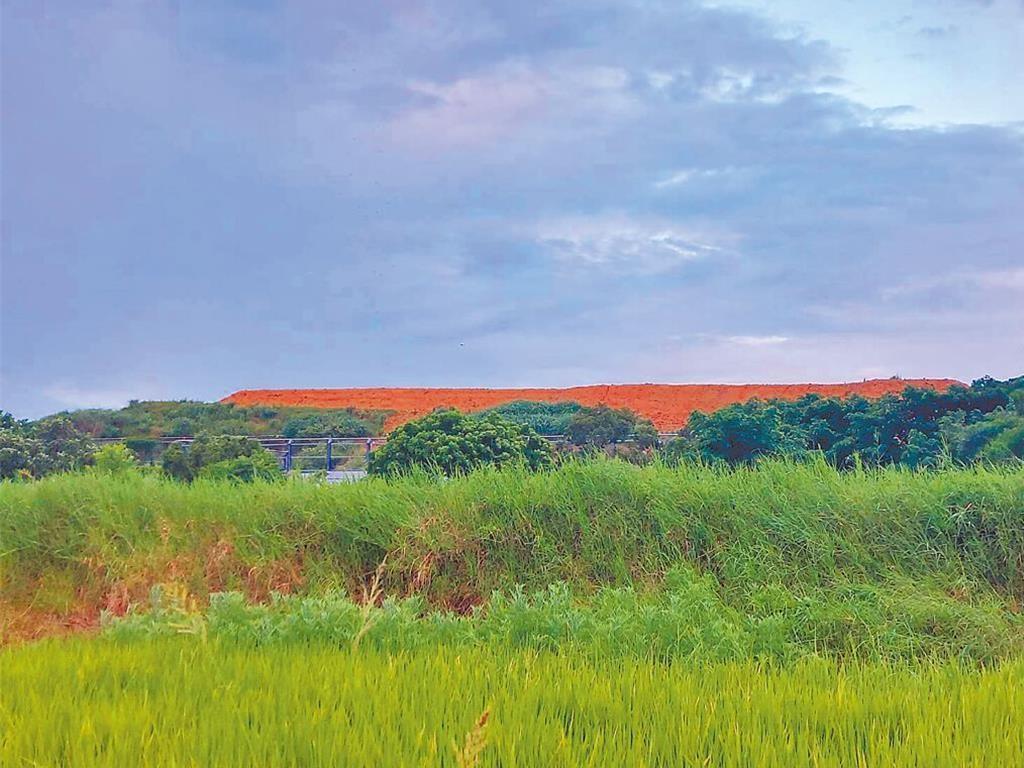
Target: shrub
x=41, y=448
x=20, y=455
x=328, y=424
x=186, y=464
x=543, y=418
x=602, y=425
x=114, y=459
x=246, y=469
x=455, y=443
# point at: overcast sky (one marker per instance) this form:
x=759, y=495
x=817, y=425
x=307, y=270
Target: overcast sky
x=201, y=196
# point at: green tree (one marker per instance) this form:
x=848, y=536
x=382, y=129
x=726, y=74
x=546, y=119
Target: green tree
x=741, y=433
x=456, y=443
x=922, y=451
x=327, y=424
x=36, y=449
x=186, y=463
x=601, y=426
x=542, y=418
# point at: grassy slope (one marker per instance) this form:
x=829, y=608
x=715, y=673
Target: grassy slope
x=889, y=563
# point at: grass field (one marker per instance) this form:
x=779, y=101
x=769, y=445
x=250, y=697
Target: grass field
x=182, y=702
x=600, y=614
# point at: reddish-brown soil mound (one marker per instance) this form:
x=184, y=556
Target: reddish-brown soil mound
x=667, y=405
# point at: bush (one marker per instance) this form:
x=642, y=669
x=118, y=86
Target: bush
x=328, y=424
x=20, y=456
x=115, y=459
x=542, y=418
x=246, y=469
x=455, y=443
x=41, y=448
x=601, y=426
x=186, y=464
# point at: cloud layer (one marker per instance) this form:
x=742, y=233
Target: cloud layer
x=204, y=197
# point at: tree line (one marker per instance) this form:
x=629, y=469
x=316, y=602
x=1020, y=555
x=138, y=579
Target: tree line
x=918, y=429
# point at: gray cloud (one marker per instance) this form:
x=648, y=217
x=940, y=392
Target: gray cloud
x=222, y=196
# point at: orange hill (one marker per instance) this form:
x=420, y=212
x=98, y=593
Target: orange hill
x=667, y=405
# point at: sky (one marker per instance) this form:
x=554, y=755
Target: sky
x=208, y=195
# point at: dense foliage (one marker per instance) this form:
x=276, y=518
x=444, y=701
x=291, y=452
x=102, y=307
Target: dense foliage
x=220, y=457
x=35, y=449
x=184, y=418
x=542, y=418
x=602, y=425
x=919, y=428
x=456, y=443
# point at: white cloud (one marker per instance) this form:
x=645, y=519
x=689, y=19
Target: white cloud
x=627, y=244
x=756, y=341
x=686, y=175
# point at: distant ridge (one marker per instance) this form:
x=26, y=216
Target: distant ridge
x=667, y=405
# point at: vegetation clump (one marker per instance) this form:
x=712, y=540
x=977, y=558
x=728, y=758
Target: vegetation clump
x=184, y=418
x=542, y=418
x=35, y=449
x=919, y=429
x=602, y=426
x=223, y=457
x=456, y=443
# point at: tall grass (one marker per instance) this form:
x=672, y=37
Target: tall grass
x=159, y=703
x=891, y=561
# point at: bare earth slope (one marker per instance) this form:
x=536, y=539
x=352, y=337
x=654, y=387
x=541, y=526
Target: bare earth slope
x=667, y=405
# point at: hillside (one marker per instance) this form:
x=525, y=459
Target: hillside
x=668, y=406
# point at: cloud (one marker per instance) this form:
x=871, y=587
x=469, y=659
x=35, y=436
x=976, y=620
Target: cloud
x=234, y=195
x=491, y=105
x=72, y=397
x=625, y=244
x=756, y=341
x=997, y=280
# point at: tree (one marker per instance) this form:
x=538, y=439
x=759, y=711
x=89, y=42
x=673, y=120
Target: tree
x=922, y=451
x=456, y=443
x=186, y=464
x=20, y=456
x=542, y=418
x=328, y=424
x=36, y=449
x=741, y=433
x=601, y=426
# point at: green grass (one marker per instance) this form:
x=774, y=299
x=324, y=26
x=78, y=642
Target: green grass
x=886, y=564
x=179, y=702
x=601, y=614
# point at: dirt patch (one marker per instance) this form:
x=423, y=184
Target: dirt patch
x=667, y=405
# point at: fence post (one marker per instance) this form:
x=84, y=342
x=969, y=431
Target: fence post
x=330, y=444
x=369, y=448
x=288, y=457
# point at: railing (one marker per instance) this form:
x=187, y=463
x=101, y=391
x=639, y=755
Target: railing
x=294, y=452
